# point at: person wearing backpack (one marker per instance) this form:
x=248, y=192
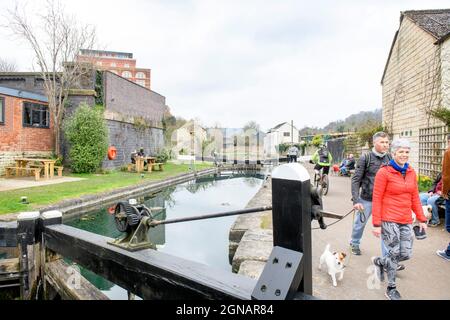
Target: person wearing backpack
x=362, y=187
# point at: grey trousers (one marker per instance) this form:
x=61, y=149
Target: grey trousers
x=398, y=239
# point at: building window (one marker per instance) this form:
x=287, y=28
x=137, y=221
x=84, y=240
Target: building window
x=35, y=115
x=287, y=134
x=99, y=63
x=140, y=75
x=126, y=74
x=2, y=110
x=113, y=64
x=126, y=65
x=141, y=82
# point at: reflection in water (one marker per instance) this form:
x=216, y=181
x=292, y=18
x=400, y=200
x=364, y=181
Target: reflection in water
x=204, y=241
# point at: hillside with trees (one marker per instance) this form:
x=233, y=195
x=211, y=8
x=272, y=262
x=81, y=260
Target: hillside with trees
x=354, y=122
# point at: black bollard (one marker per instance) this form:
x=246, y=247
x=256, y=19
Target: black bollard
x=291, y=202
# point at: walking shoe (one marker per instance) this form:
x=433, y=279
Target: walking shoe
x=443, y=255
x=393, y=294
x=355, y=250
x=378, y=267
x=434, y=224
x=400, y=267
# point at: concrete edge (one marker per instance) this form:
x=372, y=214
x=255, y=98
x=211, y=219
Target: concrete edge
x=87, y=202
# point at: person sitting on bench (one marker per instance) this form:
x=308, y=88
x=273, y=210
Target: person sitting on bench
x=433, y=198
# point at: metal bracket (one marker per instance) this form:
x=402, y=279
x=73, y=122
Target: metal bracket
x=281, y=276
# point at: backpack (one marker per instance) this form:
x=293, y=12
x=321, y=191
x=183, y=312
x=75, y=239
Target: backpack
x=323, y=155
x=367, y=159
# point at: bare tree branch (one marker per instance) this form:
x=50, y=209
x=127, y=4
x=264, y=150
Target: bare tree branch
x=56, y=39
x=7, y=66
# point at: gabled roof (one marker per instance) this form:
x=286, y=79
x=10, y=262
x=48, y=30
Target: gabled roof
x=434, y=22
x=23, y=94
x=279, y=126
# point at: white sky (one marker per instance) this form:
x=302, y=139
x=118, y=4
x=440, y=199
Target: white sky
x=232, y=61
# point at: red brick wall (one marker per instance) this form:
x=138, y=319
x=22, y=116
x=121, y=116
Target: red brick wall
x=120, y=67
x=15, y=137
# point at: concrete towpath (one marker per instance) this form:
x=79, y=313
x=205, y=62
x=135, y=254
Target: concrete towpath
x=426, y=276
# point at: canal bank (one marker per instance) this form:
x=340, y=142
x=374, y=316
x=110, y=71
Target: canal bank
x=80, y=205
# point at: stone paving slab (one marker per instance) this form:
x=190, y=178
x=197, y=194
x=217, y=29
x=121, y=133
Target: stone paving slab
x=29, y=182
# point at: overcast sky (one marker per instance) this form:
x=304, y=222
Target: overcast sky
x=230, y=62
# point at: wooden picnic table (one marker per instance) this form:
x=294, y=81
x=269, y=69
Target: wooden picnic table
x=140, y=163
x=49, y=165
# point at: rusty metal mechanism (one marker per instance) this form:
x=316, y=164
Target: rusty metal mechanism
x=133, y=220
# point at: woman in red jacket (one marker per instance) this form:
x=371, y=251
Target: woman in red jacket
x=395, y=195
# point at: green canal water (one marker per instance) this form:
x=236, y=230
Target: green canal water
x=204, y=241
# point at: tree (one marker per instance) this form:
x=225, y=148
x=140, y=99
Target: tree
x=7, y=66
x=317, y=140
x=55, y=39
x=441, y=113
x=252, y=125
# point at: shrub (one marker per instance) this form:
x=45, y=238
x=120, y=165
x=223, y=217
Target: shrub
x=317, y=140
x=425, y=183
x=283, y=147
x=88, y=137
x=164, y=155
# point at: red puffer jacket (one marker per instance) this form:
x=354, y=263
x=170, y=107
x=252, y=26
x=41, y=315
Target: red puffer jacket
x=394, y=196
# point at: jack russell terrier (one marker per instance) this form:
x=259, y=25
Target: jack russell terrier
x=334, y=262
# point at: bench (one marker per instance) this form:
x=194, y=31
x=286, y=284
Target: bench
x=151, y=166
x=60, y=170
x=35, y=171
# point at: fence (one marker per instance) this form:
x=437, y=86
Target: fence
x=432, y=145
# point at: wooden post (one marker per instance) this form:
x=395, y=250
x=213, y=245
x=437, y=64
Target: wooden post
x=47, y=219
x=224, y=147
x=29, y=257
x=291, y=202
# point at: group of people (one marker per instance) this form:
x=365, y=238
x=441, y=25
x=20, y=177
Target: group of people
x=347, y=165
x=385, y=186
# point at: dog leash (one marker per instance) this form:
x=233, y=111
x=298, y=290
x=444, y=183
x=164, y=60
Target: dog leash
x=353, y=210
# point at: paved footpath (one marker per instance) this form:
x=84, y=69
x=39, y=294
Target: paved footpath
x=426, y=276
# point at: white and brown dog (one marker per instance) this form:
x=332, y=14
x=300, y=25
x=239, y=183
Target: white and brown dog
x=334, y=262
x=427, y=212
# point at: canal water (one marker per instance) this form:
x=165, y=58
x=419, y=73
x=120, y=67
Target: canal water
x=204, y=241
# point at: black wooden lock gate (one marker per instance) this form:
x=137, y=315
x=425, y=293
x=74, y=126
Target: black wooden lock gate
x=155, y=275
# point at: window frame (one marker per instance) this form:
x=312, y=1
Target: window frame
x=127, y=74
x=286, y=134
x=141, y=75
x=3, y=112
x=33, y=106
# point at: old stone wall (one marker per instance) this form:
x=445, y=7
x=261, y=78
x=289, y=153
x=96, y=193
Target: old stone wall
x=411, y=84
x=126, y=137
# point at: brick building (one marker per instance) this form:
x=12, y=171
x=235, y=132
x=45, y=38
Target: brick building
x=133, y=115
x=416, y=80
x=25, y=126
x=120, y=63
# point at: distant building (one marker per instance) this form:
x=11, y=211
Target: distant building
x=282, y=133
x=120, y=63
x=416, y=80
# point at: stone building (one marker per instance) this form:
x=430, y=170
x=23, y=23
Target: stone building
x=416, y=79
